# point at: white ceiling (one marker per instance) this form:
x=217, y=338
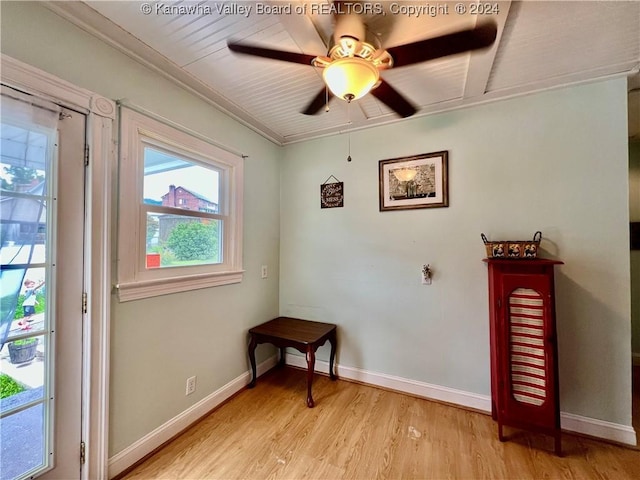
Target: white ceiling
x=540, y=45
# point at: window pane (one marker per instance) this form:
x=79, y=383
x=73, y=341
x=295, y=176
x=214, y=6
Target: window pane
x=180, y=240
x=173, y=182
x=22, y=438
x=27, y=312
x=22, y=371
x=24, y=157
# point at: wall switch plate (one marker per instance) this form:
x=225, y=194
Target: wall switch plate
x=191, y=385
x=264, y=272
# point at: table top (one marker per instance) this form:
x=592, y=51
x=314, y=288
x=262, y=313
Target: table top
x=295, y=329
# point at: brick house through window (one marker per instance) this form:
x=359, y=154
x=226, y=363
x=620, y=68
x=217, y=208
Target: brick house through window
x=180, y=197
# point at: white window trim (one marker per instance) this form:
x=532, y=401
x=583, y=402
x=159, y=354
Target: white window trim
x=134, y=280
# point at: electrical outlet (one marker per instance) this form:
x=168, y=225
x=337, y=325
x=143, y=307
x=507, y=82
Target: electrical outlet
x=265, y=272
x=191, y=385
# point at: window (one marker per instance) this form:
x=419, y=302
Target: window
x=180, y=211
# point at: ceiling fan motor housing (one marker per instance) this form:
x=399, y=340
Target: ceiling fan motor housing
x=348, y=25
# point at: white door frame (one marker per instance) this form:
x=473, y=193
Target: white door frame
x=100, y=122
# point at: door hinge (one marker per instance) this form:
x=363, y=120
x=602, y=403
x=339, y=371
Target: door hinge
x=82, y=452
x=86, y=155
x=84, y=302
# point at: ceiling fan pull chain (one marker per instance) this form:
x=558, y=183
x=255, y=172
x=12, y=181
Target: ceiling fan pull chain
x=349, y=132
x=326, y=98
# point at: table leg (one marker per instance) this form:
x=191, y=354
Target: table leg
x=283, y=351
x=332, y=356
x=252, y=359
x=311, y=364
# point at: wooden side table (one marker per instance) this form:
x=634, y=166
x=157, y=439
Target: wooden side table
x=303, y=335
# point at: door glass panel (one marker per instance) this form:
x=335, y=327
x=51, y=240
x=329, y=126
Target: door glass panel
x=20, y=454
x=24, y=364
x=29, y=136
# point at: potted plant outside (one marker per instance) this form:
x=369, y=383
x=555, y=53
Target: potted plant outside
x=22, y=351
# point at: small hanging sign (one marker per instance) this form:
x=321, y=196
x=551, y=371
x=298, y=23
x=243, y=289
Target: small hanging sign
x=332, y=194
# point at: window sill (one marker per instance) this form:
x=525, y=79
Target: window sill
x=128, y=291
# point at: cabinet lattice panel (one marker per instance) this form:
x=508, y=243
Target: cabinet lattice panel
x=526, y=341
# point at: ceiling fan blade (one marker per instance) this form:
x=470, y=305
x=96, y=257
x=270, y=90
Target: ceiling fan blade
x=319, y=101
x=272, y=54
x=462, y=41
x=392, y=99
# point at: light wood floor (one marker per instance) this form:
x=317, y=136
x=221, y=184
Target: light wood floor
x=361, y=432
x=636, y=402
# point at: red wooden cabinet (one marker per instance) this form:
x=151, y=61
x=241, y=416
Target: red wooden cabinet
x=524, y=353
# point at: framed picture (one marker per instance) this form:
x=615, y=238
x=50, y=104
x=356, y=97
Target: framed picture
x=420, y=181
x=332, y=195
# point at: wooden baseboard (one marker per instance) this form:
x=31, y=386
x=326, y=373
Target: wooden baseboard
x=569, y=422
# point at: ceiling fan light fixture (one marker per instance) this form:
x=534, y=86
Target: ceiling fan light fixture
x=350, y=78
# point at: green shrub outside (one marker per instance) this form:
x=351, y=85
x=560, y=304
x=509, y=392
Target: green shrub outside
x=8, y=386
x=193, y=241
x=25, y=341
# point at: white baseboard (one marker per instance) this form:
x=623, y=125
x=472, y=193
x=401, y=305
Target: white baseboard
x=598, y=428
x=404, y=385
x=636, y=359
x=568, y=421
x=147, y=444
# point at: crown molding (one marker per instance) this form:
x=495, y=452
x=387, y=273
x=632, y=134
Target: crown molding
x=86, y=18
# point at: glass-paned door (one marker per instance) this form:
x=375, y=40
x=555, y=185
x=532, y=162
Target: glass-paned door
x=41, y=284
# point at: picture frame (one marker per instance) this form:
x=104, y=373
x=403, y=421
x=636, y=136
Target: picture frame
x=332, y=195
x=419, y=181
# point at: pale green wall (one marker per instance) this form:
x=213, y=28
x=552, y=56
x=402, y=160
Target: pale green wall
x=554, y=161
x=157, y=343
x=634, y=216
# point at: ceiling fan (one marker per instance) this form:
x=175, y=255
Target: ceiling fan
x=352, y=67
